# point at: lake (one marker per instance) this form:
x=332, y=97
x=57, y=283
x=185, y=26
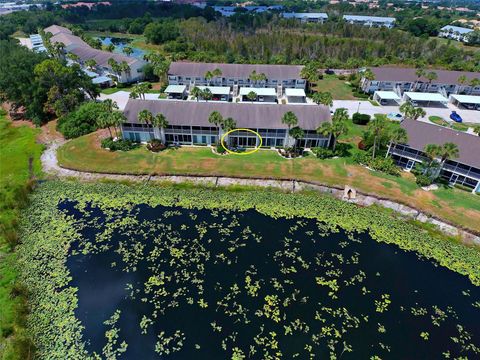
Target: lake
x=120, y=44
x=176, y=283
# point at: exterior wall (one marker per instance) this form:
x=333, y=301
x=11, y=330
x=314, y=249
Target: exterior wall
x=370, y=86
x=245, y=82
x=201, y=135
x=371, y=23
x=452, y=171
x=454, y=35
x=135, y=74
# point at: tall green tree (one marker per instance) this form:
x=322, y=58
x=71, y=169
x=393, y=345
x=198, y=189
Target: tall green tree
x=296, y=133
x=252, y=96
x=160, y=121
x=127, y=50
x=323, y=98
x=337, y=127
x=289, y=119
x=216, y=119
x=378, y=127
x=397, y=135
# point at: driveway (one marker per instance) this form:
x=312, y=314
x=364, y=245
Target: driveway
x=365, y=107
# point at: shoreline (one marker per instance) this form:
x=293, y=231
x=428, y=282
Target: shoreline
x=51, y=167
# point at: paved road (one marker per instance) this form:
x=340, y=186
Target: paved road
x=365, y=107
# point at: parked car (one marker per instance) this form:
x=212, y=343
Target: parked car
x=261, y=99
x=455, y=117
x=329, y=72
x=395, y=116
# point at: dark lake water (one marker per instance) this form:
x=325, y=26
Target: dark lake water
x=199, y=284
x=120, y=44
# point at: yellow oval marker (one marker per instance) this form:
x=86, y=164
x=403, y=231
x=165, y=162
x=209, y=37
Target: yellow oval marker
x=222, y=141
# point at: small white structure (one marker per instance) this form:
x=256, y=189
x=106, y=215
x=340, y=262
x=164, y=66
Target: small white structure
x=470, y=102
x=296, y=95
x=425, y=99
x=386, y=97
x=178, y=92
x=455, y=32
x=220, y=93
x=263, y=94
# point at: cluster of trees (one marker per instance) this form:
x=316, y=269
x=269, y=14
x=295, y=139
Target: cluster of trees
x=41, y=87
x=337, y=45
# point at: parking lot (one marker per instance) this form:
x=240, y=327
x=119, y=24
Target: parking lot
x=365, y=107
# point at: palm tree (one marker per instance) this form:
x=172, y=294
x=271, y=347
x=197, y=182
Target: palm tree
x=208, y=76
x=462, y=80
x=117, y=119
x=73, y=57
x=296, y=133
x=252, y=96
x=124, y=67
x=139, y=90
x=290, y=119
x=103, y=121
x=206, y=94
x=110, y=47
x=337, y=127
x=110, y=105
x=196, y=92
x=377, y=126
x=419, y=72
x=448, y=151
x=397, y=135
x=217, y=72
x=90, y=64
x=215, y=118
x=160, y=121
x=323, y=98
x=411, y=112
x=114, y=66
x=432, y=75
x=227, y=125
x=146, y=117
x=127, y=50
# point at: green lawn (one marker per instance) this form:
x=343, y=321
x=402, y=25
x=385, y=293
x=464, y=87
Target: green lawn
x=438, y=120
x=456, y=206
x=339, y=89
x=17, y=145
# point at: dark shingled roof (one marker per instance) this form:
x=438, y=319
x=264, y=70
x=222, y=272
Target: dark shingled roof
x=277, y=72
x=421, y=133
x=408, y=75
x=246, y=115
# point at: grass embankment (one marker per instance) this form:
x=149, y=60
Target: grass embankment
x=453, y=125
x=17, y=147
x=454, y=205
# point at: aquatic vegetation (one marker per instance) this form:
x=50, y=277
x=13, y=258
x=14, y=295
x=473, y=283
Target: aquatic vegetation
x=221, y=274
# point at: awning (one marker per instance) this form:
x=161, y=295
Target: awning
x=259, y=91
x=218, y=90
x=420, y=96
x=466, y=99
x=387, y=95
x=101, y=80
x=91, y=74
x=295, y=92
x=175, y=89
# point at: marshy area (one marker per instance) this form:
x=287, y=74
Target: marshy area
x=176, y=272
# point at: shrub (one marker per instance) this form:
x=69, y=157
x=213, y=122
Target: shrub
x=121, y=144
x=81, y=121
x=386, y=165
x=221, y=149
x=156, y=145
x=423, y=180
x=323, y=153
x=341, y=77
x=360, y=119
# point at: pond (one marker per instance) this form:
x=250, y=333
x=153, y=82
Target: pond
x=177, y=283
x=120, y=44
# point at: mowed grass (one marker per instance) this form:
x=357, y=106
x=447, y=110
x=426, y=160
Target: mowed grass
x=339, y=89
x=17, y=145
x=457, y=206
